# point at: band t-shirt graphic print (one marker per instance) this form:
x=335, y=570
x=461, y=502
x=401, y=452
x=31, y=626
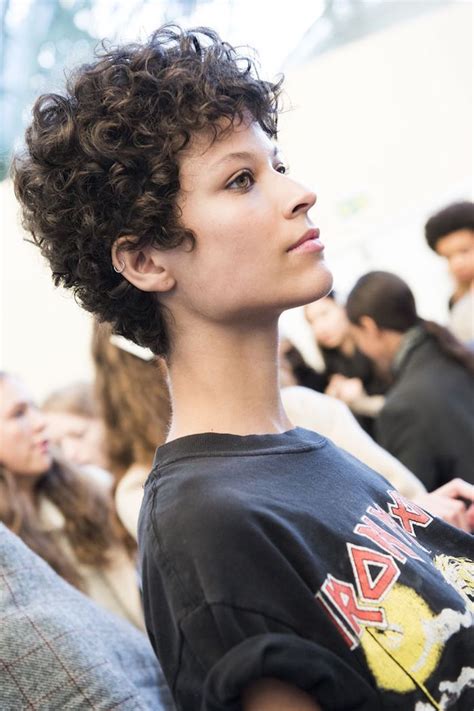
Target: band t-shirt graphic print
x=402, y=637
x=283, y=556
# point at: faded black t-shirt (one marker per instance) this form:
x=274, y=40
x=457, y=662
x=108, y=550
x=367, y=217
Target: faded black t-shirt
x=283, y=556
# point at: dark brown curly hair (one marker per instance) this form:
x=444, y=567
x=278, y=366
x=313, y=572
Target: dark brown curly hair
x=101, y=162
x=454, y=217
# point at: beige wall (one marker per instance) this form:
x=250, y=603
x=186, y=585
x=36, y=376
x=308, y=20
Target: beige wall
x=381, y=127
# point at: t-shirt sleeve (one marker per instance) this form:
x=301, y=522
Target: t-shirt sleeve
x=258, y=652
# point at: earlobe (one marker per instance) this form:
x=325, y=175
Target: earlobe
x=145, y=268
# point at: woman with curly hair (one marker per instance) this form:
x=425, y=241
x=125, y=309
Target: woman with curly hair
x=58, y=512
x=278, y=571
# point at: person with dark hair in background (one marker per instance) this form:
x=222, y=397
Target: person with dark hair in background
x=450, y=233
x=278, y=571
x=427, y=421
x=349, y=375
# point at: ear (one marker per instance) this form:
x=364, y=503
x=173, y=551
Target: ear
x=148, y=269
x=369, y=326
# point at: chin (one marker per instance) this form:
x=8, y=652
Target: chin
x=320, y=286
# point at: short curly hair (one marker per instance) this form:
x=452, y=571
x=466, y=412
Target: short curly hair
x=454, y=217
x=101, y=162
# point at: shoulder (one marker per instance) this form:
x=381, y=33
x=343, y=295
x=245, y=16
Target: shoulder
x=313, y=410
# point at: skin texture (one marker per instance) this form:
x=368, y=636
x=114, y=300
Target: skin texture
x=81, y=439
x=275, y=695
x=376, y=343
x=458, y=249
x=329, y=324
x=24, y=446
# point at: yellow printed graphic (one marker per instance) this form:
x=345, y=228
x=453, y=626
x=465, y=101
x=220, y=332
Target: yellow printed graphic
x=458, y=572
x=402, y=656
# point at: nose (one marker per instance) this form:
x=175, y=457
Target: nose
x=301, y=200
x=38, y=419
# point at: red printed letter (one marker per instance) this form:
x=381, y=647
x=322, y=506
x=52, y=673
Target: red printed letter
x=394, y=546
x=372, y=586
x=408, y=513
x=343, y=597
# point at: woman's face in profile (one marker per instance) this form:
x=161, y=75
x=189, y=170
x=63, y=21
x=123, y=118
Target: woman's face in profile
x=80, y=438
x=247, y=215
x=24, y=446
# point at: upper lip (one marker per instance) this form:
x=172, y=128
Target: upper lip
x=313, y=233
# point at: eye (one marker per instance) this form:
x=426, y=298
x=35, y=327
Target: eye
x=282, y=168
x=19, y=411
x=242, y=181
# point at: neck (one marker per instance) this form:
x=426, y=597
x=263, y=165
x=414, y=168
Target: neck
x=225, y=379
x=27, y=486
x=393, y=342
x=347, y=346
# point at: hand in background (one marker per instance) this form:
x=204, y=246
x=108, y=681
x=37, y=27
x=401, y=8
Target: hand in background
x=349, y=390
x=449, y=503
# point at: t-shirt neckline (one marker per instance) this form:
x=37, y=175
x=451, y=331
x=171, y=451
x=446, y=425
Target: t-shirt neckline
x=218, y=444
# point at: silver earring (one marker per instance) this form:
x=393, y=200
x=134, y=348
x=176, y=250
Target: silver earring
x=120, y=269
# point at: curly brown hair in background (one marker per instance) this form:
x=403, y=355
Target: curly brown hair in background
x=134, y=400
x=101, y=162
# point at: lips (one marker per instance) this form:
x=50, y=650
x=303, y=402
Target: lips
x=311, y=235
x=43, y=446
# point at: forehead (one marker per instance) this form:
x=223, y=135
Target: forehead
x=455, y=241
x=12, y=392
x=321, y=307
x=207, y=151
x=68, y=423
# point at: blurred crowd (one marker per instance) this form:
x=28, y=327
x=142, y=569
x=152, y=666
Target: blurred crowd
x=396, y=391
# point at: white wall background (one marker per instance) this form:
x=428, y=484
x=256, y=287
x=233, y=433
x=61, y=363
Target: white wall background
x=381, y=127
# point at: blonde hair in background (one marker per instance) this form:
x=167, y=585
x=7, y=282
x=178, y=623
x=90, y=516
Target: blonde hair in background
x=133, y=397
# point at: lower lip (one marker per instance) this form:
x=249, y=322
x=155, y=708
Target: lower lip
x=310, y=245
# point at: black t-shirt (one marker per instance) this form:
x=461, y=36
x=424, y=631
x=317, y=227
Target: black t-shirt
x=283, y=556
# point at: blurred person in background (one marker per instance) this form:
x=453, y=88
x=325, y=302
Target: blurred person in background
x=427, y=421
x=332, y=418
x=450, y=233
x=294, y=370
x=58, y=512
x=133, y=398
x=349, y=375
x=76, y=427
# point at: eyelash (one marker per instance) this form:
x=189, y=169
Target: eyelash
x=281, y=168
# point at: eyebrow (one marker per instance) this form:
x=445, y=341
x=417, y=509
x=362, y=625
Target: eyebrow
x=241, y=155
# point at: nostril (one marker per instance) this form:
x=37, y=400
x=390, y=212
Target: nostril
x=301, y=206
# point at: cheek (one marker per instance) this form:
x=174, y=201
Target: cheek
x=14, y=448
